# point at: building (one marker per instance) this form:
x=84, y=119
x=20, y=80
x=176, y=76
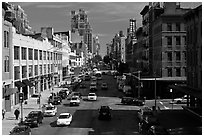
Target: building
x=130, y=42
x=96, y=46
x=164, y=45
x=193, y=87
x=80, y=24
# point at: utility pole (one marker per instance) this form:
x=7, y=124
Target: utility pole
x=21, y=98
x=139, y=84
x=155, y=91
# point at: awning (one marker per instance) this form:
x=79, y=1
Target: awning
x=165, y=79
x=188, y=90
x=19, y=84
x=28, y=83
x=10, y=91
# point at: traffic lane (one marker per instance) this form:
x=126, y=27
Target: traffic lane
x=123, y=122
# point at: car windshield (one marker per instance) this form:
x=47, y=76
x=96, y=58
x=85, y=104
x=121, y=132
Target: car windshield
x=18, y=129
x=64, y=116
x=93, y=84
x=32, y=115
x=104, y=84
x=50, y=108
x=91, y=94
x=74, y=98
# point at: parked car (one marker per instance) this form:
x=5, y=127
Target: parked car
x=75, y=101
x=104, y=85
x=50, y=110
x=132, y=101
x=64, y=119
x=21, y=130
x=104, y=113
x=93, y=86
x=92, y=96
x=34, y=118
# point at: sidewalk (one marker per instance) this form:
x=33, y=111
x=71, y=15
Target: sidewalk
x=9, y=121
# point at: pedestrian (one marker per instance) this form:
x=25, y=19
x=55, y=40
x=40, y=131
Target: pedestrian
x=16, y=113
x=3, y=113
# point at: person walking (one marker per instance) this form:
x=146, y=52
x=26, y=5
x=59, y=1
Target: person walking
x=16, y=113
x=3, y=113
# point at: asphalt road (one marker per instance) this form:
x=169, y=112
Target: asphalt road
x=85, y=116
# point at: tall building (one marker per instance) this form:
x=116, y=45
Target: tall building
x=193, y=87
x=96, y=45
x=80, y=24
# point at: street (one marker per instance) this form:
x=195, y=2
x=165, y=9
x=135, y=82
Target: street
x=85, y=116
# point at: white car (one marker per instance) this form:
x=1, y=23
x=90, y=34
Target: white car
x=50, y=110
x=92, y=96
x=75, y=101
x=64, y=119
x=180, y=100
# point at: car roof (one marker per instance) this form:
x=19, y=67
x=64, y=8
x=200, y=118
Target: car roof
x=92, y=93
x=65, y=114
x=34, y=112
x=20, y=126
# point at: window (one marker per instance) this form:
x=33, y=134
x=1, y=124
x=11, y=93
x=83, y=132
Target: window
x=6, y=64
x=35, y=54
x=16, y=52
x=178, y=27
x=44, y=55
x=169, y=72
x=30, y=54
x=184, y=53
x=184, y=37
x=178, y=72
x=6, y=39
x=178, y=55
x=51, y=55
x=169, y=27
x=16, y=72
x=44, y=68
x=30, y=70
x=24, y=71
x=169, y=40
x=23, y=53
x=185, y=71
x=40, y=69
x=40, y=52
x=48, y=55
x=36, y=69
x=169, y=56
x=178, y=40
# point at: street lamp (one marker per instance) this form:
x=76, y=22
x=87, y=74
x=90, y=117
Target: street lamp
x=172, y=102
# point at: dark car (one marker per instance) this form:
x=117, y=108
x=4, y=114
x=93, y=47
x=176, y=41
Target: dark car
x=21, y=130
x=34, y=118
x=57, y=100
x=132, y=101
x=104, y=113
x=82, y=85
x=63, y=94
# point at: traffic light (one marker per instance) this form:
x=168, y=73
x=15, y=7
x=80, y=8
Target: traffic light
x=21, y=97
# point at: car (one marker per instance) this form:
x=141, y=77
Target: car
x=63, y=93
x=93, y=86
x=75, y=101
x=104, y=85
x=181, y=100
x=34, y=118
x=92, y=96
x=21, y=130
x=56, y=100
x=87, y=77
x=64, y=119
x=196, y=130
x=132, y=101
x=82, y=85
x=50, y=110
x=104, y=113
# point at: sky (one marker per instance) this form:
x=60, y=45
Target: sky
x=105, y=18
